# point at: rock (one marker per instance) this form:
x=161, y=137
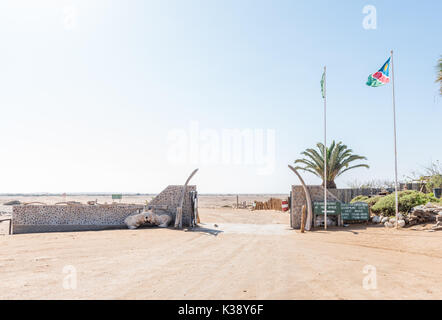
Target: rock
x=384, y=219
x=401, y=223
x=376, y=219
x=12, y=203
x=430, y=205
x=439, y=218
x=135, y=221
x=388, y=225
x=73, y=203
x=424, y=213
x=392, y=220
x=161, y=219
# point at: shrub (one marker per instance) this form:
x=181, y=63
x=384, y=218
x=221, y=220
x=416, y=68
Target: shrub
x=434, y=182
x=370, y=201
x=407, y=200
x=359, y=199
x=411, y=200
x=386, y=206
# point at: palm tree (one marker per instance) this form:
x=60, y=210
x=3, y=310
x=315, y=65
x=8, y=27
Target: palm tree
x=439, y=74
x=338, y=159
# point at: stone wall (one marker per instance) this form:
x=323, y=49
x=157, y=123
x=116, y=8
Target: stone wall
x=59, y=218
x=298, y=200
x=168, y=200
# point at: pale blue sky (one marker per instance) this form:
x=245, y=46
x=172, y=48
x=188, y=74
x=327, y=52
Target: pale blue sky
x=87, y=103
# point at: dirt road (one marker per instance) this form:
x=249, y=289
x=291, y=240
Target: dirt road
x=248, y=255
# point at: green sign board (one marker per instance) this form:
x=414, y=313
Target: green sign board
x=117, y=196
x=355, y=211
x=333, y=208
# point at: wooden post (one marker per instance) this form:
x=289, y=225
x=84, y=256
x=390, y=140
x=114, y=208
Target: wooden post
x=237, y=201
x=303, y=219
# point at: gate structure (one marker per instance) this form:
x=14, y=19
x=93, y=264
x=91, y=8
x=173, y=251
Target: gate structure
x=169, y=200
x=298, y=199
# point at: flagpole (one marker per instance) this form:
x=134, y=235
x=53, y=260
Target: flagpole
x=325, y=147
x=395, y=144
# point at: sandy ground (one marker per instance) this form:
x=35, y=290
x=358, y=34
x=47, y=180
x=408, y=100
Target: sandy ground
x=236, y=254
x=205, y=201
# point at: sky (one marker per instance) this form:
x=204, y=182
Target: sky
x=131, y=96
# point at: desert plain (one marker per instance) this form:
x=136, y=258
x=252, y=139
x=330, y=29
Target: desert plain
x=234, y=254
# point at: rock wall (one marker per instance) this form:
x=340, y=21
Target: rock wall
x=168, y=200
x=59, y=218
x=298, y=199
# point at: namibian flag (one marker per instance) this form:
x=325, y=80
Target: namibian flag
x=381, y=77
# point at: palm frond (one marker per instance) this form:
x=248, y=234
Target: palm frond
x=309, y=170
x=339, y=158
x=355, y=166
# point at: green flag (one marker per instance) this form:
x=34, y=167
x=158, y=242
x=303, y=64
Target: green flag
x=322, y=85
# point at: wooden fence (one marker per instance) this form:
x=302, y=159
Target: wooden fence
x=272, y=204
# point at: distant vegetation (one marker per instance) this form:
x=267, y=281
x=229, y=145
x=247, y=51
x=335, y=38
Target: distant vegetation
x=439, y=74
x=370, y=201
x=374, y=183
x=431, y=176
x=407, y=199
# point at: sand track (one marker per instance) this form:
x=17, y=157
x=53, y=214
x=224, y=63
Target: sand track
x=248, y=255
